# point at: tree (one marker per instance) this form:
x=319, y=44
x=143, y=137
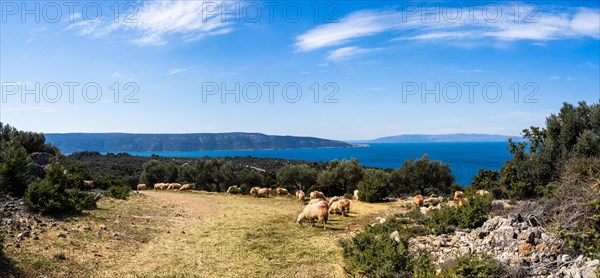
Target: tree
x=301, y=176
x=486, y=179
x=422, y=175
x=374, y=185
x=156, y=172
x=573, y=132
x=339, y=177
x=14, y=165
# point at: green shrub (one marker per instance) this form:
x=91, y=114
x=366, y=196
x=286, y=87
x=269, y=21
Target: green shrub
x=57, y=194
x=373, y=253
x=374, y=185
x=471, y=215
x=51, y=199
x=244, y=189
x=422, y=266
x=118, y=192
x=473, y=266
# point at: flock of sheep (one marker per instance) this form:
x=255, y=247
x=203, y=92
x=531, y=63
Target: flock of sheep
x=428, y=204
x=318, y=208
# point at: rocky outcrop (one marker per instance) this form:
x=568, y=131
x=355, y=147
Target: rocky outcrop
x=517, y=241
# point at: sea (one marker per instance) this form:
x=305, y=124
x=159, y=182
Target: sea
x=464, y=158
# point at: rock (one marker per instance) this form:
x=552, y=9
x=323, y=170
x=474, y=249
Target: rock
x=592, y=263
x=381, y=220
x=531, y=238
x=62, y=235
x=41, y=158
x=102, y=227
x=525, y=249
x=395, y=236
x=97, y=234
x=36, y=238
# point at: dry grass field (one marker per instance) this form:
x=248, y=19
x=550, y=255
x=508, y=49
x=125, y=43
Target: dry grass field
x=192, y=234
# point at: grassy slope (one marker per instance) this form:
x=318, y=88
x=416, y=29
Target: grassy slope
x=193, y=234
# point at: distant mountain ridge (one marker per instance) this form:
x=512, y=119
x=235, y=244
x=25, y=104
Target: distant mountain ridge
x=458, y=137
x=129, y=142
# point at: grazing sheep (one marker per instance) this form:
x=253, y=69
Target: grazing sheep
x=314, y=201
x=419, y=200
x=432, y=201
x=482, y=192
x=281, y=191
x=254, y=191
x=317, y=195
x=462, y=201
x=187, y=186
x=141, y=186
x=174, y=186
x=342, y=206
x=334, y=199
x=318, y=211
x=233, y=189
x=264, y=192
x=300, y=195
x=356, y=194
x=88, y=185
x=458, y=195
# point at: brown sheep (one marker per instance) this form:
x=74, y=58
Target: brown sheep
x=88, y=185
x=334, y=199
x=281, y=191
x=458, y=195
x=314, y=201
x=462, y=201
x=264, y=192
x=317, y=195
x=342, y=206
x=419, y=200
x=254, y=191
x=141, y=186
x=317, y=211
x=482, y=192
x=174, y=186
x=187, y=186
x=300, y=195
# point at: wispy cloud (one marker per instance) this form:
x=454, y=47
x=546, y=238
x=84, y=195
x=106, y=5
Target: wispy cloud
x=157, y=21
x=548, y=26
x=177, y=70
x=347, y=53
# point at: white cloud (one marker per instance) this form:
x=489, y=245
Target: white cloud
x=347, y=53
x=356, y=25
x=476, y=29
x=177, y=70
x=158, y=20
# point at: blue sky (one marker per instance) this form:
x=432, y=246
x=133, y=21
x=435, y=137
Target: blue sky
x=379, y=67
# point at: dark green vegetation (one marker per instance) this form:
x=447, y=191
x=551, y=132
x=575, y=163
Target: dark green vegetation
x=376, y=253
x=560, y=162
x=125, y=142
x=572, y=133
x=471, y=215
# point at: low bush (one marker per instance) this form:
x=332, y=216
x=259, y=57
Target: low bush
x=373, y=253
x=118, y=192
x=446, y=220
x=473, y=266
x=374, y=185
x=422, y=266
x=57, y=193
x=50, y=198
x=575, y=207
x=244, y=189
